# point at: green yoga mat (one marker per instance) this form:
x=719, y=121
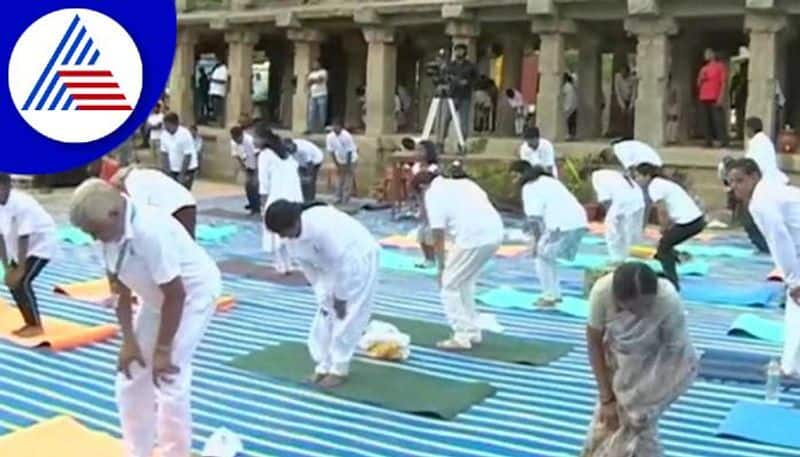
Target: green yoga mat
x=494, y=346
x=74, y=235
x=386, y=385
x=215, y=233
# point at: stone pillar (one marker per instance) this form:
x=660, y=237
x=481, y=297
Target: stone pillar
x=381, y=80
x=652, y=65
x=550, y=101
x=513, y=45
x=181, y=91
x=590, y=92
x=684, y=73
x=306, y=50
x=765, y=41
x=240, y=69
x=356, y=51
x=465, y=33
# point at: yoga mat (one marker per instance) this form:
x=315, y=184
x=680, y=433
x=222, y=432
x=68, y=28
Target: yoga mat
x=74, y=235
x=58, y=334
x=595, y=261
x=225, y=214
x=755, y=294
x=599, y=228
x=753, y=326
x=215, y=233
x=258, y=272
x=775, y=275
x=61, y=436
x=592, y=241
x=386, y=385
x=98, y=291
x=696, y=250
x=507, y=297
x=393, y=260
x=408, y=242
x=741, y=367
x=494, y=346
x=762, y=423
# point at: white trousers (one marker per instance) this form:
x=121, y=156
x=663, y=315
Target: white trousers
x=790, y=361
x=333, y=341
x=147, y=412
x=273, y=244
x=547, y=271
x=622, y=232
x=461, y=271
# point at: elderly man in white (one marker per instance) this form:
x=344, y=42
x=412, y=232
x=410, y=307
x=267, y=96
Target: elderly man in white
x=149, y=253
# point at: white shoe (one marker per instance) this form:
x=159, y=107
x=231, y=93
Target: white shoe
x=453, y=344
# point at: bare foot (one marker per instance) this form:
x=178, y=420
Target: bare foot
x=29, y=331
x=316, y=378
x=331, y=381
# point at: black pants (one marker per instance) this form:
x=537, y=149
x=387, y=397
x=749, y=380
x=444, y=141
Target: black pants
x=308, y=178
x=187, y=216
x=676, y=235
x=218, y=109
x=23, y=293
x=251, y=190
x=572, y=124
x=188, y=181
x=716, y=124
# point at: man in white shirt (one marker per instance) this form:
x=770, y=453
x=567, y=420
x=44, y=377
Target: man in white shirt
x=761, y=149
x=343, y=150
x=631, y=153
x=155, y=124
x=146, y=186
x=461, y=207
x=178, y=145
x=538, y=151
x=317, y=98
x=217, y=91
x=148, y=253
x=775, y=207
x=570, y=105
x=517, y=104
x=243, y=148
x=310, y=158
x=27, y=243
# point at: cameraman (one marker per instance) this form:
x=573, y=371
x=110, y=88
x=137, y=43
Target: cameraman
x=464, y=74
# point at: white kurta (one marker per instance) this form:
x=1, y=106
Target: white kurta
x=631, y=153
x=775, y=208
x=624, y=218
x=340, y=264
x=761, y=149
x=152, y=187
x=278, y=179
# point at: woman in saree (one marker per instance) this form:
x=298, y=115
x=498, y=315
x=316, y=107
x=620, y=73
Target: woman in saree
x=642, y=360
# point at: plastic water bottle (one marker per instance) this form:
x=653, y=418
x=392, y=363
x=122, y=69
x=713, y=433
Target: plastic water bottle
x=773, y=382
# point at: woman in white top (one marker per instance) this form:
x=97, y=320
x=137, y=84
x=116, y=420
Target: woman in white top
x=278, y=179
x=558, y=222
x=342, y=266
x=27, y=242
x=624, y=204
x=461, y=207
x=147, y=186
x=678, y=216
x=775, y=208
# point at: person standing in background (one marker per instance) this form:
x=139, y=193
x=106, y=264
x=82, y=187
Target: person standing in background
x=318, y=98
x=625, y=98
x=244, y=150
x=198, y=145
x=178, y=147
x=344, y=152
x=465, y=74
x=711, y=82
x=217, y=91
x=570, y=105
x=310, y=159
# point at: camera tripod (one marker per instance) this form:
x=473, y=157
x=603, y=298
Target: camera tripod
x=441, y=106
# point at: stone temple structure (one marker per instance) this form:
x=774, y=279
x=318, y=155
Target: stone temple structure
x=381, y=45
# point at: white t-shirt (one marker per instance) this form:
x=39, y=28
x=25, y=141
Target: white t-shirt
x=631, y=153
x=516, y=102
x=462, y=208
x=159, y=250
x=761, y=149
x=625, y=195
x=775, y=208
x=177, y=146
x=218, y=82
x=680, y=206
x=550, y=200
x=245, y=151
x=308, y=152
x=544, y=155
x=340, y=145
x=570, y=98
x=154, y=122
x=321, y=88
x=154, y=188
x=22, y=215
x=278, y=178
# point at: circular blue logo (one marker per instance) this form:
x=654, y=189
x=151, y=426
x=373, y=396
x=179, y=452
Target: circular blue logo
x=81, y=79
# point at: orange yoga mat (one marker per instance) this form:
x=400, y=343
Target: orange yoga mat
x=61, y=436
x=58, y=334
x=99, y=291
x=407, y=242
x=599, y=228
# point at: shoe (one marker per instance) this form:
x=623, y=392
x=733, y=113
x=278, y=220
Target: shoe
x=453, y=344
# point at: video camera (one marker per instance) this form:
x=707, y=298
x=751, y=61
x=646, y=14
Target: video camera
x=440, y=73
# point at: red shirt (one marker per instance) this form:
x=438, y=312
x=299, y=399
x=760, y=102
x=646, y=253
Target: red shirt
x=711, y=80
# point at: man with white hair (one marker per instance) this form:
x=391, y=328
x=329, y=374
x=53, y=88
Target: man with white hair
x=147, y=252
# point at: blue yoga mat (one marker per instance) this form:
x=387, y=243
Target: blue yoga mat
x=595, y=261
x=697, y=250
x=508, y=297
x=215, y=233
x=757, y=327
x=74, y=235
x=762, y=423
x=756, y=294
x=592, y=240
x=396, y=260
x=739, y=367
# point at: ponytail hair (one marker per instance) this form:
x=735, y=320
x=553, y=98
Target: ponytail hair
x=528, y=172
x=649, y=170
